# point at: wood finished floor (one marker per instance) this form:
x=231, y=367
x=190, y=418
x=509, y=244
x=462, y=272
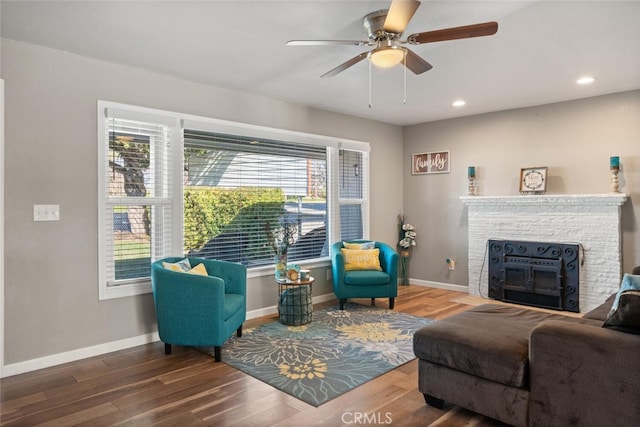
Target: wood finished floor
x=141, y=386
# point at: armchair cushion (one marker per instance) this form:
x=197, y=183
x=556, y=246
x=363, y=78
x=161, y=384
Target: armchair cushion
x=366, y=278
x=361, y=259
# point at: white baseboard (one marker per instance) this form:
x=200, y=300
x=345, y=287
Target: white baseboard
x=74, y=355
x=440, y=285
x=97, y=350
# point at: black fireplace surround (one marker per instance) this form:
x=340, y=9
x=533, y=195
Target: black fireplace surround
x=540, y=274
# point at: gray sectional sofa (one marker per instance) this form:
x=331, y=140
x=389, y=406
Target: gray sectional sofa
x=532, y=368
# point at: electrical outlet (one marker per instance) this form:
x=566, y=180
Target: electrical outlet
x=328, y=275
x=451, y=264
x=46, y=212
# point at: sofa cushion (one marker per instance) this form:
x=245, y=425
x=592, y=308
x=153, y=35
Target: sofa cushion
x=366, y=278
x=629, y=282
x=489, y=341
x=626, y=317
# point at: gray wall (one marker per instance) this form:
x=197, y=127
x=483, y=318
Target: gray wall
x=51, y=269
x=51, y=289
x=573, y=139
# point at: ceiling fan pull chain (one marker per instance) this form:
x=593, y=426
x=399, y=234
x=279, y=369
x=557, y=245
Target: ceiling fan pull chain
x=404, y=101
x=370, y=103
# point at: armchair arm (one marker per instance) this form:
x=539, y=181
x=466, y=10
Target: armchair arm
x=337, y=265
x=388, y=260
x=582, y=374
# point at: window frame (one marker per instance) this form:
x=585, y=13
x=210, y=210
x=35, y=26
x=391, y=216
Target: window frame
x=159, y=248
x=177, y=122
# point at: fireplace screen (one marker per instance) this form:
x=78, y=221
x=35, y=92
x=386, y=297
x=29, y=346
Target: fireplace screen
x=535, y=273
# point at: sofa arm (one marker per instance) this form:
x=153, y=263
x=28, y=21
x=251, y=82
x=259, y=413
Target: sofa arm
x=583, y=375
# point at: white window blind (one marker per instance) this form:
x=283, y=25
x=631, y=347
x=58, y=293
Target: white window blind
x=235, y=187
x=136, y=202
x=353, y=193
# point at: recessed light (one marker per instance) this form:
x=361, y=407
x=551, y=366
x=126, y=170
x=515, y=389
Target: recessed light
x=459, y=103
x=585, y=80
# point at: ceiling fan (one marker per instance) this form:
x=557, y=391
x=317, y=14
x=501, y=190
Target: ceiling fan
x=385, y=28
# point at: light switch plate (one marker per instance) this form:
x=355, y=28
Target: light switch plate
x=46, y=212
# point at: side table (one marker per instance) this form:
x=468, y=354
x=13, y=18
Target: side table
x=295, y=305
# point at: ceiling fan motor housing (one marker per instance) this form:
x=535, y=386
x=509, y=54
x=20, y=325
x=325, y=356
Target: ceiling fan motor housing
x=374, y=26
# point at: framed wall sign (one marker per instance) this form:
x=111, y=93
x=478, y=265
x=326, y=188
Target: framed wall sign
x=533, y=180
x=433, y=162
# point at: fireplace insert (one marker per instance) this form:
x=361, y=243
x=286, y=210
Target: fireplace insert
x=540, y=274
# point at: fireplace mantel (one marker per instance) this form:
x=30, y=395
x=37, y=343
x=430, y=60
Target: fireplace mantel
x=590, y=220
x=615, y=199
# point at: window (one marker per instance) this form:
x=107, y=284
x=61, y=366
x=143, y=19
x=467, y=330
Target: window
x=173, y=185
x=136, y=201
x=237, y=187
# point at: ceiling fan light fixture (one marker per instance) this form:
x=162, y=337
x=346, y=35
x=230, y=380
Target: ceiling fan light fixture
x=387, y=56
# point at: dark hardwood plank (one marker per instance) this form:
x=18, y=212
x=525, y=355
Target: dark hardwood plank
x=142, y=386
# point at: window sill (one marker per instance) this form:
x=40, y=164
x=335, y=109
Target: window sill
x=125, y=290
x=267, y=270
x=144, y=286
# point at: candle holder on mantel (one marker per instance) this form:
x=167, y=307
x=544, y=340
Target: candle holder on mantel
x=471, y=176
x=614, y=165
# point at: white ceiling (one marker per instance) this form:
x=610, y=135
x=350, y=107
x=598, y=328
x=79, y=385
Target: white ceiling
x=541, y=48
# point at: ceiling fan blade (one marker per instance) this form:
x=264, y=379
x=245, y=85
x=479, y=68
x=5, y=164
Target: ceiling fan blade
x=416, y=64
x=327, y=42
x=340, y=68
x=399, y=15
x=454, y=33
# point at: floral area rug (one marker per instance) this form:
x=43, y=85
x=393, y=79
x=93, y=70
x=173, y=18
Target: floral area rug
x=336, y=352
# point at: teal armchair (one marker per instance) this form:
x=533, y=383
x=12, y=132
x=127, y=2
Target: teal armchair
x=365, y=283
x=199, y=311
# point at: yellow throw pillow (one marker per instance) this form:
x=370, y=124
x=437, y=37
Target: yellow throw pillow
x=361, y=259
x=198, y=269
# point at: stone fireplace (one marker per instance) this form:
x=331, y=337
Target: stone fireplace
x=591, y=221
